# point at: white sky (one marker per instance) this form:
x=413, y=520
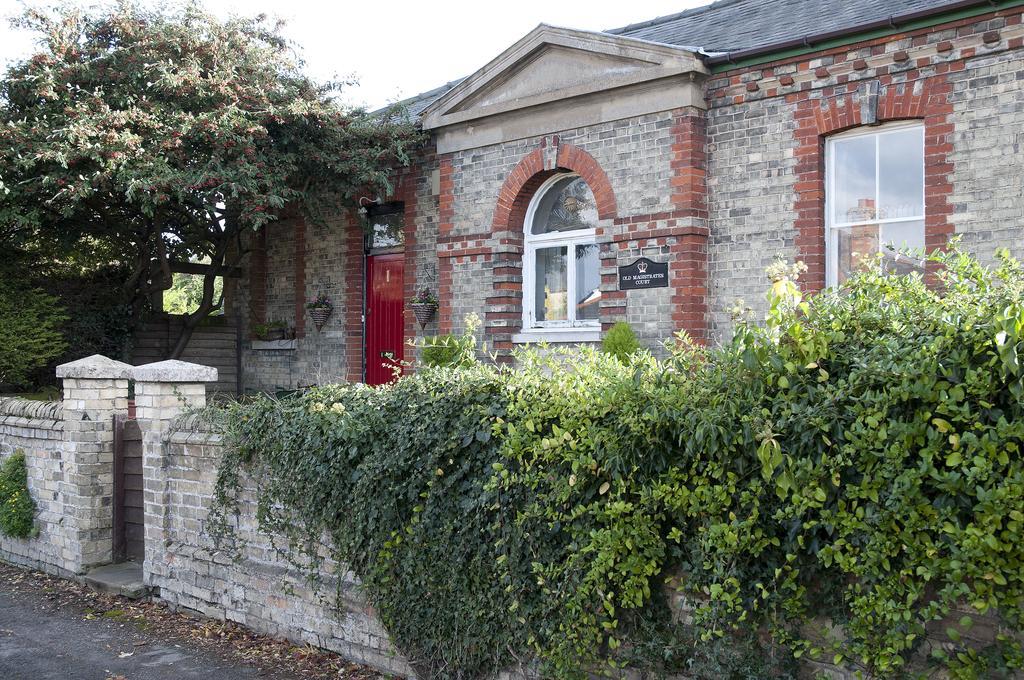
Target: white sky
x=400, y=48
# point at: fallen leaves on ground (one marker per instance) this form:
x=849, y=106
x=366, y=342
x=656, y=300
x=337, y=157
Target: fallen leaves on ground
x=226, y=639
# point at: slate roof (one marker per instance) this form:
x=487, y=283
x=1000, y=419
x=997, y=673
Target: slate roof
x=733, y=25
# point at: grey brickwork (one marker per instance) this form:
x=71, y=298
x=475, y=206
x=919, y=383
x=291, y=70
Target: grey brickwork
x=988, y=154
x=320, y=356
x=636, y=154
x=37, y=430
x=750, y=203
x=260, y=589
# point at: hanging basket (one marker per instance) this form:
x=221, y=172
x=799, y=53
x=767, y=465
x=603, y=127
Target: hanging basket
x=424, y=312
x=320, y=316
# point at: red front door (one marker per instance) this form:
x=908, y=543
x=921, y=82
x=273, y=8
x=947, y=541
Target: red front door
x=385, y=337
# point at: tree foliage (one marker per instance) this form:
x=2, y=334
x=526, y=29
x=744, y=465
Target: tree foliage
x=30, y=336
x=164, y=135
x=186, y=293
x=857, y=457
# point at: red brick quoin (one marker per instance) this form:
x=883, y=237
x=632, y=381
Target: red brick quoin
x=840, y=109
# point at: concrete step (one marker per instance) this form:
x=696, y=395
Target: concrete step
x=118, y=579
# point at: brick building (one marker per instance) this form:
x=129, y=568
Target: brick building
x=713, y=141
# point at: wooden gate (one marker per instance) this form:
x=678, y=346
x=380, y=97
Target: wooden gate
x=129, y=525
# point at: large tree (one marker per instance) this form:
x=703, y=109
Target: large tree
x=159, y=137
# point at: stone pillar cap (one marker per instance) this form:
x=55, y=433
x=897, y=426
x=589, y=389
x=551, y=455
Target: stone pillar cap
x=96, y=367
x=174, y=371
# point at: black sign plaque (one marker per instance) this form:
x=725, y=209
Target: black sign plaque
x=643, y=273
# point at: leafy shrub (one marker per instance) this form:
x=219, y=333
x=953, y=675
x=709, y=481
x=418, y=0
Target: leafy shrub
x=29, y=331
x=17, y=509
x=620, y=341
x=440, y=350
x=451, y=351
x=857, y=456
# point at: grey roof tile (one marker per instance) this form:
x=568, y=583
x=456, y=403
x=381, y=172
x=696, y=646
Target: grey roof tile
x=734, y=25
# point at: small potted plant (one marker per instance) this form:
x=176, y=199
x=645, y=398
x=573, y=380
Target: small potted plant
x=272, y=330
x=424, y=305
x=320, y=309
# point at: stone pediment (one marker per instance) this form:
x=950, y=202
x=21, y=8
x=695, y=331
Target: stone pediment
x=554, y=65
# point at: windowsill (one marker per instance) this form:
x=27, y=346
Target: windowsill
x=275, y=345
x=554, y=335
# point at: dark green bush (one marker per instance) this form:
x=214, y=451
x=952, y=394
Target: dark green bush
x=857, y=456
x=17, y=509
x=29, y=330
x=99, y=322
x=620, y=341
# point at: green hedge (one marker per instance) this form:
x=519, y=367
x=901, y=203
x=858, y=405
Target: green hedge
x=855, y=457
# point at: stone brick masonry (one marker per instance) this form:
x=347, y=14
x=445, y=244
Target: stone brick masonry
x=718, y=192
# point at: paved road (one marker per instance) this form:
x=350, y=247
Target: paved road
x=40, y=643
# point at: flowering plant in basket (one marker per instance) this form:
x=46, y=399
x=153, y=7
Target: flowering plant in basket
x=321, y=301
x=424, y=304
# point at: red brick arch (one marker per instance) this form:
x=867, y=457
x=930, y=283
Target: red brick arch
x=522, y=183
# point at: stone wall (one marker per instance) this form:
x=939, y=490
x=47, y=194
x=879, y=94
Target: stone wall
x=258, y=588
x=37, y=429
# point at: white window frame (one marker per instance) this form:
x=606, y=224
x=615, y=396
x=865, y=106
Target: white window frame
x=832, y=229
x=569, y=330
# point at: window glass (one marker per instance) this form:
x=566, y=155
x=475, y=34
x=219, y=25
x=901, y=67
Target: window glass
x=588, y=282
x=902, y=236
x=876, y=200
x=567, y=205
x=386, y=226
x=854, y=199
x=901, y=175
x=562, y=267
x=551, y=284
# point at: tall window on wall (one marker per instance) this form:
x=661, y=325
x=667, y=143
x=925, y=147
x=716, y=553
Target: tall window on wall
x=874, y=198
x=561, y=267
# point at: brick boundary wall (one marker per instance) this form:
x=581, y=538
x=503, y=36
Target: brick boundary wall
x=896, y=77
x=37, y=430
x=250, y=581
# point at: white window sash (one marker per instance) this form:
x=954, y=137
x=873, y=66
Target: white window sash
x=534, y=242
x=832, y=230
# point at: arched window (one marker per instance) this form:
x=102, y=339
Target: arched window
x=561, y=266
